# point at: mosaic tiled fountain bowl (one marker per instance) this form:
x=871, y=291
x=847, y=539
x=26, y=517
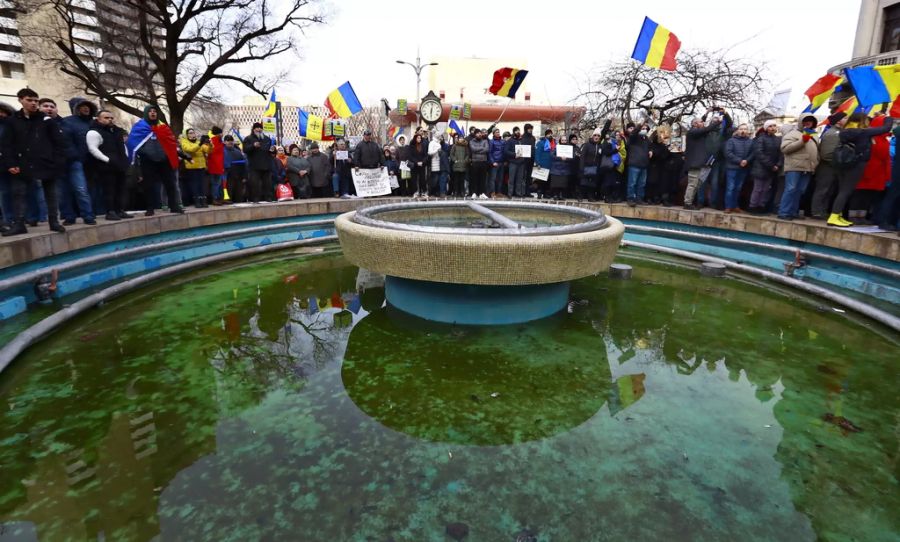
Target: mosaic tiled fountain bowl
x=479, y=263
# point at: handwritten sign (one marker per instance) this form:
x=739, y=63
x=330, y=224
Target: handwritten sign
x=371, y=182
x=342, y=155
x=540, y=174
x=401, y=107
x=565, y=151
x=523, y=151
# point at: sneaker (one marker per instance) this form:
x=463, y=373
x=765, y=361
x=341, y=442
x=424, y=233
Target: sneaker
x=69, y=222
x=533, y=195
x=91, y=221
x=783, y=217
x=632, y=203
x=483, y=196
x=346, y=196
x=112, y=216
x=149, y=212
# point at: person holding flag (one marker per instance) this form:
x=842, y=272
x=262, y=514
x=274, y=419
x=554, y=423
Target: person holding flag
x=801, y=156
x=152, y=144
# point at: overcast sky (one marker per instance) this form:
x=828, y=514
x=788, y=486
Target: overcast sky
x=563, y=41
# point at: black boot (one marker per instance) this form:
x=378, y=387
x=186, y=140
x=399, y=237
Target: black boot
x=150, y=212
x=197, y=203
x=56, y=226
x=123, y=214
x=16, y=228
x=112, y=215
x=177, y=210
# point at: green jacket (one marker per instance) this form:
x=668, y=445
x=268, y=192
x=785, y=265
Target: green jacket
x=460, y=156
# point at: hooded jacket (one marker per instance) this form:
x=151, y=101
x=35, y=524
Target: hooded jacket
x=544, y=151
x=75, y=127
x=496, y=151
x=215, y=160
x=878, y=167
x=459, y=155
x=258, y=158
x=696, y=155
x=800, y=155
x=195, y=150
x=479, y=150
x=638, y=150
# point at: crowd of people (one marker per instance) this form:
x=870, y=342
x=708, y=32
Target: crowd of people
x=59, y=169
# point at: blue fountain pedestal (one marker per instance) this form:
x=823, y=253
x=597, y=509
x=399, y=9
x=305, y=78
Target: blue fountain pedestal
x=475, y=304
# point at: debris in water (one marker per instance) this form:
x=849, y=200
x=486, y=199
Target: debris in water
x=835, y=309
x=495, y=395
x=767, y=426
x=290, y=278
x=684, y=455
x=842, y=422
x=475, y=398
x=89, y=336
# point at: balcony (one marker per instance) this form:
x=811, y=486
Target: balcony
x=882, y=59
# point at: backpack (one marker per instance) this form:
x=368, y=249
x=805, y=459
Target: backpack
x=844, y=156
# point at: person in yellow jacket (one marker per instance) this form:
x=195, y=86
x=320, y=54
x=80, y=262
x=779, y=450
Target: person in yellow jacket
x=192, y=181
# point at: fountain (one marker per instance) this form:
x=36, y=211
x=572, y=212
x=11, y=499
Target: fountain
x=479, y=263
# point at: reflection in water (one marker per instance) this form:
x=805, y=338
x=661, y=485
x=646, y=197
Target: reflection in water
x=665, y=407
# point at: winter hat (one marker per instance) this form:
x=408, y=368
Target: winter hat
x=836, y=118
x=769, y=122
x=257, y=125
x=598, y=131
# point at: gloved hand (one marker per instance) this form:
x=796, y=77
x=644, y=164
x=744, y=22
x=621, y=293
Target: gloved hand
x=806, y=138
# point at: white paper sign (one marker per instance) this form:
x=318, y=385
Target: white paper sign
x=540, y=173
x=565, y=151
x=523, y=151
x=394, y=182
x=404, y=166
x=371, y=182
x=342, y=155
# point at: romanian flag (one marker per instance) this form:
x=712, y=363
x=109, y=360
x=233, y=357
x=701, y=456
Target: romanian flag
x=821, y=90
x=507, y=82
x=656, y=46
x=454, y=127
x=270, y=107
x=875, y=85
x=342, y=102
x=848, y=106
x=311, y=126
x=393, y=131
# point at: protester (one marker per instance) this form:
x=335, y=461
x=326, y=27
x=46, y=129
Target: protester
x=479, y=150
x=109, y=163
x=33, y=150
x=418, y=155
x=715, y=147
x=342, y=163
x=319, y=172
x=657, y=171
x=866, y=198
x=517, y=164
x=698, y=158
x=367, y=154
x=73, y=187
x=560, y=172
x=298, y=169
x=858, y=137
x=801, y=156
x=393, y=168
x=259, y=162
x=738, y=158
x=638, y=161
x=192, y=189
x=434, y=159
x=529, y=140
x=152, y=145
x=279, y=176
x=6, y=206
x=767, y=161
x=235, y=164
x=592, y=165
x=460, y=158
x=826, y=176
x=889, y=211
x=215, y=166
x=498, y=165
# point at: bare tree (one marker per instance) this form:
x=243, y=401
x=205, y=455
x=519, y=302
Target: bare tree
x=630, y=91
x=169, y=52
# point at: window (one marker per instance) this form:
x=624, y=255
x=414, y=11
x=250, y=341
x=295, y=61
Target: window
x=890, y=39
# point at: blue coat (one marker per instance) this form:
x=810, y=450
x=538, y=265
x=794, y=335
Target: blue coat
x=75, y=129
x=496, y=151
x=737, y=149
x=543, y=158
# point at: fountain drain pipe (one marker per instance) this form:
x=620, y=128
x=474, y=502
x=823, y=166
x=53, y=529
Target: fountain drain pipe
x=41, y=329
x=31, y=276
x=867, y=310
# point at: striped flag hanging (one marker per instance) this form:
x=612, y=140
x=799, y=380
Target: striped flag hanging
x=507, y=82
x=656, y=46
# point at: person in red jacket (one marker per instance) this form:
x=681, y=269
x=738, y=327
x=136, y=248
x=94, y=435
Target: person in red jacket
x=870, y=188
x=215, y=165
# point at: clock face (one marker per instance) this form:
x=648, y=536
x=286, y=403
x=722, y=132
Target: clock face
x=431, y=111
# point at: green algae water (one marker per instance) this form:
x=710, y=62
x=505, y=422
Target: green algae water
x=281, y=400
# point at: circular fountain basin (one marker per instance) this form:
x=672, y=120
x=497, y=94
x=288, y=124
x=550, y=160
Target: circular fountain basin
x=479, y=263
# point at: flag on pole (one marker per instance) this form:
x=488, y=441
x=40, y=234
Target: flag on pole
x=270, y=106
x=656, y=46
x=311, y=126
x=821, y=90
x=342, y=102
x=507, y=81
x=455, y=127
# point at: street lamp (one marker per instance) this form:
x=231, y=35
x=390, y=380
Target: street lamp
x=418, y=67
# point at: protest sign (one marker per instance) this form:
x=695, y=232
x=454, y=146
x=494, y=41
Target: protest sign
x=523, y=151
x=371, y=182
x=565, y=151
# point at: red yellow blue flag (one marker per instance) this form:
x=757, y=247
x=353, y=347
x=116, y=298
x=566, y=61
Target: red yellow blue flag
x=656, y=46
x=821, y=90
x=507, y=82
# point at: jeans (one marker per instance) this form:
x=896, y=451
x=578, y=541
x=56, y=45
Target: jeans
x=73, y=188
x=192, y=186
x=434, y=184
x=713, y=181
x=637, y=181
x=889, y=211
x=36, y=202
x=794, y=185
x=23, y=189
x=496, y=179
x=6, y=203
x=216, y=192
x=516, y=179
x=445, y=175
x=335, y=183
x=734, y=181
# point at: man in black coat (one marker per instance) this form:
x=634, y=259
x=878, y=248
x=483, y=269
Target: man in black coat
x=33, y=150
x=259, y=162
x=368, y=154
x=109, y=162
x=696, y=157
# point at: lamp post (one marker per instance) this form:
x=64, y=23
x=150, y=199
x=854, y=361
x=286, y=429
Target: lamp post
x=418, y=67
